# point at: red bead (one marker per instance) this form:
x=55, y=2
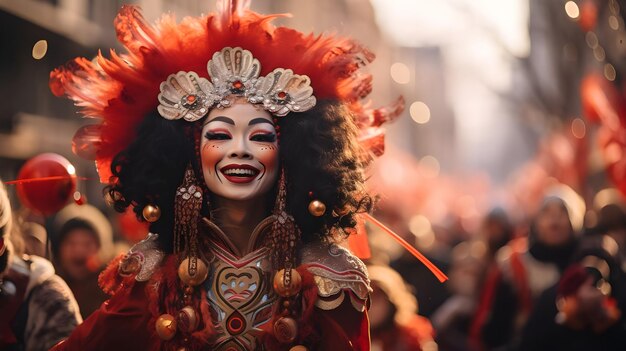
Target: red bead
x=281, y=95
x=191, y=98
x=237, y=84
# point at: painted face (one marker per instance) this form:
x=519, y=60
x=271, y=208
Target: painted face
x=239, y=152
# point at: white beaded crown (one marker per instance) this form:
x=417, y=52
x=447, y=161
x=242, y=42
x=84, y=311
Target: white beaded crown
x=234, y=71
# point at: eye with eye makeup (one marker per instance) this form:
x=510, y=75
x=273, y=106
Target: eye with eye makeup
x=217, y=135
x=264, y=137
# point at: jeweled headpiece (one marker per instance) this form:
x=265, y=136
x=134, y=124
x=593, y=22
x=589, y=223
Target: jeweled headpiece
x=234, y=71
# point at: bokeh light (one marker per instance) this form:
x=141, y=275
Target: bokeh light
x=578, y=128
x=609, y=72
x=572, y=10
x=400, y=73
x=40, y=49
x=613, y=22
x=419, y=112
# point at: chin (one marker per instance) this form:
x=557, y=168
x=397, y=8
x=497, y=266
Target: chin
x=241, y=195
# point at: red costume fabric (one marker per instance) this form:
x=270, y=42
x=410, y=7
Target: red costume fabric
x=126, y=322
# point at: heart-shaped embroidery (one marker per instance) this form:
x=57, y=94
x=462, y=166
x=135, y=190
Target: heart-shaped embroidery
x=238, y=287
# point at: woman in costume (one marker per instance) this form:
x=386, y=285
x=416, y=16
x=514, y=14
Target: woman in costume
x=243, y=146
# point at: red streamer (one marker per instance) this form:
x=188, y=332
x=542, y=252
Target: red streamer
x=43, y=179
x=425, y=261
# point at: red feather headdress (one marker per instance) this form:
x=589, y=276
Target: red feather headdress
x=119, y=91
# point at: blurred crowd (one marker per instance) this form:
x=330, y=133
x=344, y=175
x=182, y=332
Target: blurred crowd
x=538, y=284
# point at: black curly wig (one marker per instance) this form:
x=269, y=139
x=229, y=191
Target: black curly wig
x=318, y=150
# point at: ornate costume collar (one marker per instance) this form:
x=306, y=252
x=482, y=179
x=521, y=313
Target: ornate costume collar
x=256, y=237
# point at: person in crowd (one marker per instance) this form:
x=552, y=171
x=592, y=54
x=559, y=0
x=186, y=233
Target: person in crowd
x=584, y=310
x=525, y=269
x=496, y=231
x=37, y=308
x=35, y=239
x=452, y=319
x=82, y=245
x=395, y=324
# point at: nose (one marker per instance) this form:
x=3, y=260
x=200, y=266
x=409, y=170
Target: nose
x=240, y=150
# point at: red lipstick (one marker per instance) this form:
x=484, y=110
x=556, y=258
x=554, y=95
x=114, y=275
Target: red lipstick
x=237, y=173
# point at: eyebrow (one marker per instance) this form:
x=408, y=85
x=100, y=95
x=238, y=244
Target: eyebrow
x=260, y=120
x=221, y=119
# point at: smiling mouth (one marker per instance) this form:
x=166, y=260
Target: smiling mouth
x=240, y=173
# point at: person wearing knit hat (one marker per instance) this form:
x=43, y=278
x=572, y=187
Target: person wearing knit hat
x=526, y=268
x=82, y=244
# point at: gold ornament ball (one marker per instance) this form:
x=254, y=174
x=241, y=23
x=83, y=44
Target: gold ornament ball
x=287, y=290
x=151, y=213
x=188, y=319
x=285, y=329
x=299, y=348
x=166, y=326
x=196, y=279
x=317, y=208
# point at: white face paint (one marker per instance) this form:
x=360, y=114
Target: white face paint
x=239, y=152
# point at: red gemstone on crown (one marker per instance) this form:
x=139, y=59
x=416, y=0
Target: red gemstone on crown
x=191, y=99
x=281, y=95
x=237, y=84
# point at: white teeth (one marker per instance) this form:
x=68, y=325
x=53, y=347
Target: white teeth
x=239, y=172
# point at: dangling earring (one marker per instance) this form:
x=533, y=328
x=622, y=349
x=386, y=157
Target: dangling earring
x=192, y=271
x=187, y=207
x=287, y=280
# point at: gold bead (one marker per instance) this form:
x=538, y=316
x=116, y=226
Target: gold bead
x=166, y=326
x=151, y=213
x=285, y=329
x=188, y=319
x=287, y=290
x=196, y=279
x=299, y=348
x=317, y=208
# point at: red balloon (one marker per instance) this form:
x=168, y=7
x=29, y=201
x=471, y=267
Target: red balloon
x=46, y=183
